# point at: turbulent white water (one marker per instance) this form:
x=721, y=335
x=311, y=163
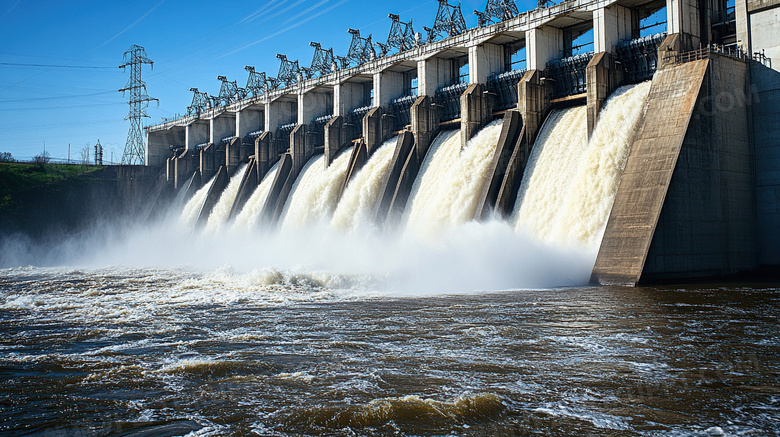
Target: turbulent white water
x=221, y=212
x=570, y=184
x=447, y=190
x=247, y=219
x=313, y=196
x=361, y=197
x=189, y=214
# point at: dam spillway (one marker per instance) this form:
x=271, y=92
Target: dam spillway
x=377, y=156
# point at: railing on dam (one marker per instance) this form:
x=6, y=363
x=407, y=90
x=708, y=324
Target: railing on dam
x=706, y=52
x=448, y=98
x=504, y=86
x=568, y=75
x=638, y=58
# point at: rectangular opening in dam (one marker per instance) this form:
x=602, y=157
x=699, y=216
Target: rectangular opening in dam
x=652, y=21
x=515, y=56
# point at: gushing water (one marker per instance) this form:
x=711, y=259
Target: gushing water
x=361, y=197
x=313, y=196
x=247, y=219
x=221, y=211
x=570, y=184
x=445, y=194
x=191, y=211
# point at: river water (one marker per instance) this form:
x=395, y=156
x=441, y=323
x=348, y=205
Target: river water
x=140, y=351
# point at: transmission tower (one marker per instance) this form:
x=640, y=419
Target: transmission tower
x=139, y=100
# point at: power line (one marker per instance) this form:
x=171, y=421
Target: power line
x=76, y=67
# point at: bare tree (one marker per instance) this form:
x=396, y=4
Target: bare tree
x=42, y=158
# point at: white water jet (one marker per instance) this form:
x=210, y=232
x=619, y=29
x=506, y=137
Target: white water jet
x=556, y=153
x=447, y=190
x=313, y=196
x=189, y=214
x=221, y=212
x=247, y=219
x=361, y=197
x=570, y=185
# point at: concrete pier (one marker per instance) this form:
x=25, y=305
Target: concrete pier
x=510, y=132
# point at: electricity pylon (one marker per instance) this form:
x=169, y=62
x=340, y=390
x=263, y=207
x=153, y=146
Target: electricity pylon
x=139, y=100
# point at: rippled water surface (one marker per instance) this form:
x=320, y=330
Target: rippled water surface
x=177, y=352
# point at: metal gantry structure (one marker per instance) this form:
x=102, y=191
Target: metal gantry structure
x=135, y=57
x=324, y=61
x=402, y=37
x=229, y=92
x=200, y=102
x=361, y=50
x=497, y=11
x=288, y=70
x=449, y=22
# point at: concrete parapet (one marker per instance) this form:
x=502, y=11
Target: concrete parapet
x=425, y=125
x=510, y=131
x=533, y=103
x=476, y=110
x=599, y=74
x=403, y=149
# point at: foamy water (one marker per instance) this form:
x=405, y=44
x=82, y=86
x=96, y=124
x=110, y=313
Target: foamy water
x=570, y=183
x=219, y=215
x=313, y=196
x=446, y=192
x=191, y=211
x=361, y=197
x=249, y=216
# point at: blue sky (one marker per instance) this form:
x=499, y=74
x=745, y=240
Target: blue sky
x=59, y=60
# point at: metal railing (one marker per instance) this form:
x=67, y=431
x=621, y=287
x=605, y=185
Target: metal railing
x=731, y=51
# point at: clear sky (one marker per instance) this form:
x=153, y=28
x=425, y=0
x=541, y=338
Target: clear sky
x=59, y=60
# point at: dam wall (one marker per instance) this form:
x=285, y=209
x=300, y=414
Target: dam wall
x=700, y=194
x=686, y=207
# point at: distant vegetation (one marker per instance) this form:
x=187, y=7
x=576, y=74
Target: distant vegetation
x=32, y=194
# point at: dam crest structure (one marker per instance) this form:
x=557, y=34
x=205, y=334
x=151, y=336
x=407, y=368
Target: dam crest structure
x=682, y=185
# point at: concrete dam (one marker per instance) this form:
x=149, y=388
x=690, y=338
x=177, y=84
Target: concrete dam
x=650, y=147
